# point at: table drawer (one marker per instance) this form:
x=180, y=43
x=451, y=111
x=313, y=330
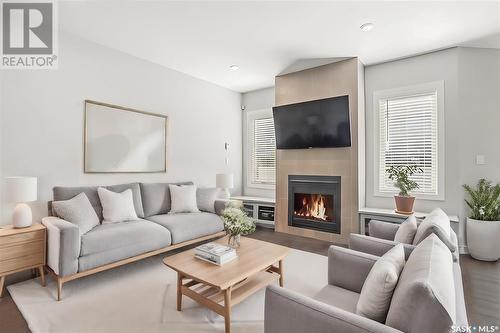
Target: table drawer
x=22, y=250
x=36, y=259
x=22, y=238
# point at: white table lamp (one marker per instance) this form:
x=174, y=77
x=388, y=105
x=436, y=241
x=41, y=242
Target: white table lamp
x=225, y=182
x=21, y=190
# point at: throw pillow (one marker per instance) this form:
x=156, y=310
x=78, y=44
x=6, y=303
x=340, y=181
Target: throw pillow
x=205, y=199
x=406, y=231
x=376, y=294
x=438, y=223
x=117, y=207
x=183, y=199
x=77, y=210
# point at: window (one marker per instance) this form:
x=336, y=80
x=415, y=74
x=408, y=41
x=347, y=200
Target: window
x=410, y=131
x=261, y=143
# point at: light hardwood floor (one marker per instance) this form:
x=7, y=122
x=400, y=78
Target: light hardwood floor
x=481, y=284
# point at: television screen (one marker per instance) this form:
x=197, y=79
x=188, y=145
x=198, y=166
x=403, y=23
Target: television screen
x=315, y=124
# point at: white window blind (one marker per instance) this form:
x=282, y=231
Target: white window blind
x=263, y=152
x=408, y=133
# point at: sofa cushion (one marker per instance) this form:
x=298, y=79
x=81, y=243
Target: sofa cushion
x=144, y=234
x=156, y=197
x=77, y=210
x=66, y=193
x=206, y=197
x=187, y=226
x=117, y=207
x=406, y=231
x=438, y=223
x=339, y=297
x=424, y=298
x=183, y=199
x=376, y=294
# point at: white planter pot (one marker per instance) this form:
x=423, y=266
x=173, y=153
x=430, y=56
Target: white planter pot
x=482, y=239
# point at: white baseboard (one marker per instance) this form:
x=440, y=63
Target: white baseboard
x=463, y=249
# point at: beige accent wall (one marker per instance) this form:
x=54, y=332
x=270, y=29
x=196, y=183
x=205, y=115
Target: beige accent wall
x=336, y=79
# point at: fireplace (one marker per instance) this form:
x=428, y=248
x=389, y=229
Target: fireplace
x=314, y=202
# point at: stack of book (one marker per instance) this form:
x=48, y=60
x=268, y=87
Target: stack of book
x=215, y=253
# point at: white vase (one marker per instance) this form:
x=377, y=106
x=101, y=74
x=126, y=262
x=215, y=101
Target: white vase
x=482, y=239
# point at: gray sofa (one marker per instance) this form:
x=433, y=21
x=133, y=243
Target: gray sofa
x=71, y=255
x=428, y=296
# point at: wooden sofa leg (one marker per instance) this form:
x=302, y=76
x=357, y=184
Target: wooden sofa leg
x=59, y=288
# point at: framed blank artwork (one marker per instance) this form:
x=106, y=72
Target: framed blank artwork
x=123, y=140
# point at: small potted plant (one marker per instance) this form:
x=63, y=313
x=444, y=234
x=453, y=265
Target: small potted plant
x=401, y=174
x=237, y=223
x=483, y=223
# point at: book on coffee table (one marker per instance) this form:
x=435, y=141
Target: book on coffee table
x=215, y=253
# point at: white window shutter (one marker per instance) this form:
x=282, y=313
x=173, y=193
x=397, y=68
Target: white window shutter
x=408, y=132
x=263, y=154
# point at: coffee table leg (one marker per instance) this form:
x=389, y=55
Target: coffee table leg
x=227, y=308
x=179, y=291
x=280, y=268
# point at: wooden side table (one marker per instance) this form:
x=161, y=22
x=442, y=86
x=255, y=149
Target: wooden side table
x=22, y=249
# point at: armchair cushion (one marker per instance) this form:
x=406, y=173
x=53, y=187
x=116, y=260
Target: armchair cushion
x=383, y=230
x=438, y=223
x=348, y=269
x=424, y=299
x=286, y=311
x=406, y=231
x=339, y=297
x=375, y=246
x=377, y=290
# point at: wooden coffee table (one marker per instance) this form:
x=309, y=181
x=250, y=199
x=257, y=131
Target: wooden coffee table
x=221, y=287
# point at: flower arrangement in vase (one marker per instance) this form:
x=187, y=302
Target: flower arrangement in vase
x=237, y=223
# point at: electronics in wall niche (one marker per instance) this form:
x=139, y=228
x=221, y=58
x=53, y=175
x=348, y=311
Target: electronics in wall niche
x=323, y=123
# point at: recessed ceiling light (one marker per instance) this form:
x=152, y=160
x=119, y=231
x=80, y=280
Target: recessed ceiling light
x=234, y=67
x=367, y=26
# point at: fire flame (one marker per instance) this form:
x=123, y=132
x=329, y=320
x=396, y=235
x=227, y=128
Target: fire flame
x=315, y=207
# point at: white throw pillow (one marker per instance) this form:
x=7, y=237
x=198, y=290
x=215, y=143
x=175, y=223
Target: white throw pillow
x=183, y=199
x=205, y=199
x=77, y=210
x=376, y=294
x=117, y=207
x=406, y=231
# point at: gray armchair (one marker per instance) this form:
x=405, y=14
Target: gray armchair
x=381, y=240
x=428, y=296
x=333, y=309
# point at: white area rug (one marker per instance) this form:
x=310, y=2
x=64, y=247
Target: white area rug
x=141, y=297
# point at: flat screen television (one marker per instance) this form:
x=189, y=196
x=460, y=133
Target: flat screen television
x=322, y=123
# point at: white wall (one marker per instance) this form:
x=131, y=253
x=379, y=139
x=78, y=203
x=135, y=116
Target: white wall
x=472, y=115
x=42, y=132
x=479, y=106
x=252, y=101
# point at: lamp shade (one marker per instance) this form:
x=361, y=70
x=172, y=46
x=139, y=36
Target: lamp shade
x=21, y=189
x=224, y=180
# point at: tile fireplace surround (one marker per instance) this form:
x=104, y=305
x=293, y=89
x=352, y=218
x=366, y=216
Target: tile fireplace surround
x=314, y=202
x=339, y=78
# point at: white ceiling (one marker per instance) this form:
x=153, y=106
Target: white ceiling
x=204, y=38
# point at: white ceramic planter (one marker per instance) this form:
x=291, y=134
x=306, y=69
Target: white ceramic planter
x=482, y=239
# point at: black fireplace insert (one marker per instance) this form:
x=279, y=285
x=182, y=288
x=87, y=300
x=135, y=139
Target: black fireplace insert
x=314, y=202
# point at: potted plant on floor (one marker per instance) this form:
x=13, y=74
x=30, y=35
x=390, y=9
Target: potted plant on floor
x=237, y=223
x=401, y=174
x=483, y=223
